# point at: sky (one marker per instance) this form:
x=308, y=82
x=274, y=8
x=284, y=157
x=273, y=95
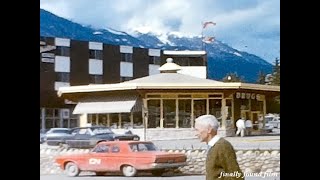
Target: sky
x=252, y=26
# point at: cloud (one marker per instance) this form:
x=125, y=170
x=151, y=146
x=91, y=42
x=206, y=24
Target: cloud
x=240, y=23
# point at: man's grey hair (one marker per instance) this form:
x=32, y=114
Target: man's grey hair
x=208, y=120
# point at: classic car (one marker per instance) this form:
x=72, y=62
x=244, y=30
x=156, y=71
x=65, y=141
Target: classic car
x=127, y=157
x=57, y=136
x=88, y=137
x=273, y=120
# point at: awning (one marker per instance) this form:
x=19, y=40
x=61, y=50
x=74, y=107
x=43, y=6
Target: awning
x=112, y=104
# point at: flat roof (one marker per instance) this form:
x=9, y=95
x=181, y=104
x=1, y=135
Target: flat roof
x=184, y=52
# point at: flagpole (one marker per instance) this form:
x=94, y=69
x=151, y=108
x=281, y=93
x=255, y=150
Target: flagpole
x=201, y=35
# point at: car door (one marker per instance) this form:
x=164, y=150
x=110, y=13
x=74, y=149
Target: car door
x=115, y=158
x=82, y=138
x=99, y=159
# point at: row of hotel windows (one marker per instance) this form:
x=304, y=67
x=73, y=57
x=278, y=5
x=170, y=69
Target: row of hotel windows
x=98, y=54
x=94, y=79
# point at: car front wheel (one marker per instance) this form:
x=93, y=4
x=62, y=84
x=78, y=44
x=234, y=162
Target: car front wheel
x=72, y=169
x=129, y=171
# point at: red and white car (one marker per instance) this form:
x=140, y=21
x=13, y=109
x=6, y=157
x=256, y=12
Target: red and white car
x=127, y=157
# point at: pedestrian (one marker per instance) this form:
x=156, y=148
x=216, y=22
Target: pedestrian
x=248, y=124
x=221, y=161
x=241, y=127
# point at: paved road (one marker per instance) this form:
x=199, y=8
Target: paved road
x=63, y=177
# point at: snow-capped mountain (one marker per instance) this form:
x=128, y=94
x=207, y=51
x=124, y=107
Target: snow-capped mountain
x=222, y=59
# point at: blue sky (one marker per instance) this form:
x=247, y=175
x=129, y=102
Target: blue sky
x=247, y=25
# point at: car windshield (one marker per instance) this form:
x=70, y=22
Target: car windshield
x=102, y=130
x=135, y=147
x=268, y=119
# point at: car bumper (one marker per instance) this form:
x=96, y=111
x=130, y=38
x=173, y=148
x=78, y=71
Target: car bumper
x=168, y=165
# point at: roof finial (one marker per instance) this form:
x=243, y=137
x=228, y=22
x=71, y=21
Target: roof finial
x=170, y=67
x=169, y=60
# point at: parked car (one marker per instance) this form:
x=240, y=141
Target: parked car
x=88, y=137
x=127, y=157
x=57, y=136
x=273, y=120
x=42, y=137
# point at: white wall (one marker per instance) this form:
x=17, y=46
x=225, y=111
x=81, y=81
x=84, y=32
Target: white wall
x=153, y=69
x=95, y=46
x=60, y=84
x=126, y=49
x=126, y=69
x=62, y=42
x=154, y=52
x=62, y=64
x=95, y=66
x=195, y=71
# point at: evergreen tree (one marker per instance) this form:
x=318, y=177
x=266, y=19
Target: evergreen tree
x=261, y=78
x=276, y=73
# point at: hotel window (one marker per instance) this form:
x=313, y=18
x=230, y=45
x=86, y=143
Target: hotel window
x=126, y=57
x=62, y=51
x=62, y=77
x=182, y=61
x=95, y=54
x=122, y=79
x=154, y=60
x=95, y=71
x=96, y=79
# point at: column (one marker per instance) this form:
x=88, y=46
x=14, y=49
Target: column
x=43, y=119
x=264, y=110
x=145, y=119
x=131, y=119
x=119, y=122
x=83, y=120
x=97, y=119
x=108, y=120
x=61, y=117
x=223, y=113
x=177, y=113
x=161, y=113
x=192, y=115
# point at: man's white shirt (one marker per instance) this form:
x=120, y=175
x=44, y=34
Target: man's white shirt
x=213, y=141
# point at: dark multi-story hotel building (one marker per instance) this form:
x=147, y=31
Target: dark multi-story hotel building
x=68, y=62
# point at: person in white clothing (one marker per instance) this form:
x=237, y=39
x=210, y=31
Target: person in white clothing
x=241, y=127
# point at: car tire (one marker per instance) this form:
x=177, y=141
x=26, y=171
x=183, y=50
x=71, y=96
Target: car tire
x=101, y=173
x=157, y=172
x=128, y=171
x=72, y=169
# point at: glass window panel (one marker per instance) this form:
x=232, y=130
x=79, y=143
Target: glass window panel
x=169, y=113
x=153, y=113
x=184, y=113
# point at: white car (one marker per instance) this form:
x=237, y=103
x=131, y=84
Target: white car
x=273, y=120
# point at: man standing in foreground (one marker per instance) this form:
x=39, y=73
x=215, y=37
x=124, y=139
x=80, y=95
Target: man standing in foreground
x=221, y=162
